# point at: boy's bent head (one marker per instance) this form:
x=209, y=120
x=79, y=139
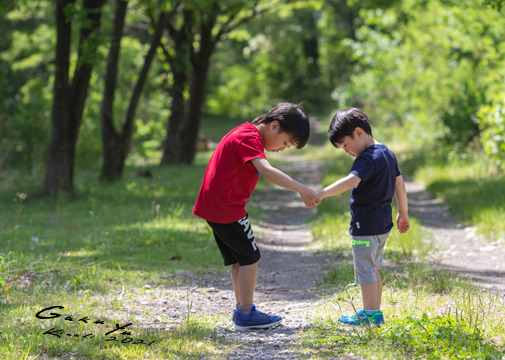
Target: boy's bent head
x=345, y=122
x=292, y=120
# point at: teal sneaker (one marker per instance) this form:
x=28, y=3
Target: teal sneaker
x=254, y=320
x=361, y=319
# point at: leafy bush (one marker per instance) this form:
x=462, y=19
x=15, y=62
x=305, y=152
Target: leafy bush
x=460, y=122
x=419, y=65
x=492, y=125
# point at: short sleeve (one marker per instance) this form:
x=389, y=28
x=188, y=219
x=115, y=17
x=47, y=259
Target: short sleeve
x=398, y=172
x=250, y=148
x=363, y=167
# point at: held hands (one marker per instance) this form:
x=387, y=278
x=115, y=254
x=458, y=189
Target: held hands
x=402, y=222
x=309, y=197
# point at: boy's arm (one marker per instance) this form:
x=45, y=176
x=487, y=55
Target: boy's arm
x=339, y=186
x=279, y=178
x=402, y=220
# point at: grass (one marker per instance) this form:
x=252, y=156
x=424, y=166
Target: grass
x=83, y=252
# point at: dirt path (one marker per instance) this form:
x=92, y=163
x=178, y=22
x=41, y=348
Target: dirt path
x=288, y=273
x=458, y=249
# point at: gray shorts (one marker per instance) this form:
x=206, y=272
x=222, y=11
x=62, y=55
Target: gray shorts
x=367, y=254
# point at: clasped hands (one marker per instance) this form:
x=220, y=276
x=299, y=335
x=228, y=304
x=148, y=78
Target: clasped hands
x=310, y=197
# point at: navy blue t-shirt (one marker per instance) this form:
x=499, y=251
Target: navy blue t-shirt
x=370, y=203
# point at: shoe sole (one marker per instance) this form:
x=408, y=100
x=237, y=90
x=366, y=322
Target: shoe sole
x=265, y=326
x=362, y=325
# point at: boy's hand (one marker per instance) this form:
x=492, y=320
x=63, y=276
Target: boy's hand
x=402, y=222
x=309, y=197
x=320, y=195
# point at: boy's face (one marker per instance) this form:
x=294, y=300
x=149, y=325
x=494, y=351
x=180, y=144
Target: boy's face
x=354, y=145
x=275, y=139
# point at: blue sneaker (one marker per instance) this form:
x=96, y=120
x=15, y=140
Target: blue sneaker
x=234, y=317
x=361, y=319
x=254, y=320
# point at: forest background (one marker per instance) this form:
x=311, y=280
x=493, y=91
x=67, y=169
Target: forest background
x=97, y=84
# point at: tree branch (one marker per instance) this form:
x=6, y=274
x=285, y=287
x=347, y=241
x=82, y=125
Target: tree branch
x=228, y=26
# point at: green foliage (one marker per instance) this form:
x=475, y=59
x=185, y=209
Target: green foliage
x=459, y=119
x=492, y=125
x=25, y=96
x=498, y=4
x=26, y=59
x=420, y=65
x=274, y=58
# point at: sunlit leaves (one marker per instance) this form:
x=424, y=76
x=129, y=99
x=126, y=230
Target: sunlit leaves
x=497, y=4
x=422, y=62
x=492, y=124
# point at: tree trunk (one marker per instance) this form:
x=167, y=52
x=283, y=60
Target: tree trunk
x=200, y=66
x=69, y=100
x=118, y=152
x=182, y=146
x=58, y=174
x=179, y=65
x=112, y=152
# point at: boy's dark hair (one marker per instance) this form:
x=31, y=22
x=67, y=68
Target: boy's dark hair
x=292, y=120
x=345, y=122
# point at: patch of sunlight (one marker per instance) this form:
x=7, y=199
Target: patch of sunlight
x=82, y=253
x=166, y=223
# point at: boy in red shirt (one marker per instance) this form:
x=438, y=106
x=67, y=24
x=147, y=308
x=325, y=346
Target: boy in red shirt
x=231, y=176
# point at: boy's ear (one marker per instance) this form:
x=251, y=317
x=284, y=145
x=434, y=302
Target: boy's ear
x=274, y=125
x=359, y=131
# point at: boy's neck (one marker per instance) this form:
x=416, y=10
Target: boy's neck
x=370, y=141
x=261, y=129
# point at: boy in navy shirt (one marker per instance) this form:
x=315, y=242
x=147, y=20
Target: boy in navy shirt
x=374, y=178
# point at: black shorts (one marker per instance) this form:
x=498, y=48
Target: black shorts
x=236, y=242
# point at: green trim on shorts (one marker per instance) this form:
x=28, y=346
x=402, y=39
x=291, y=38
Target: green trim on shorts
x=360, y=242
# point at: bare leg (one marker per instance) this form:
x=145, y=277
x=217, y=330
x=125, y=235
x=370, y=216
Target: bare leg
x=372, y=293
x=235, y=268
x=247, y=277
x=379, y=288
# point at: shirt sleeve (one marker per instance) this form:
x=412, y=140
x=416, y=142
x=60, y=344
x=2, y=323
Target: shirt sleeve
x=363, y=167
x=250, y=148
x=398, y=172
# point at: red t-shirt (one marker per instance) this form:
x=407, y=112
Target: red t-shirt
x=230, y=177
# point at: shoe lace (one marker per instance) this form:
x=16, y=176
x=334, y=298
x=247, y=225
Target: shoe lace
x=259, y=315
